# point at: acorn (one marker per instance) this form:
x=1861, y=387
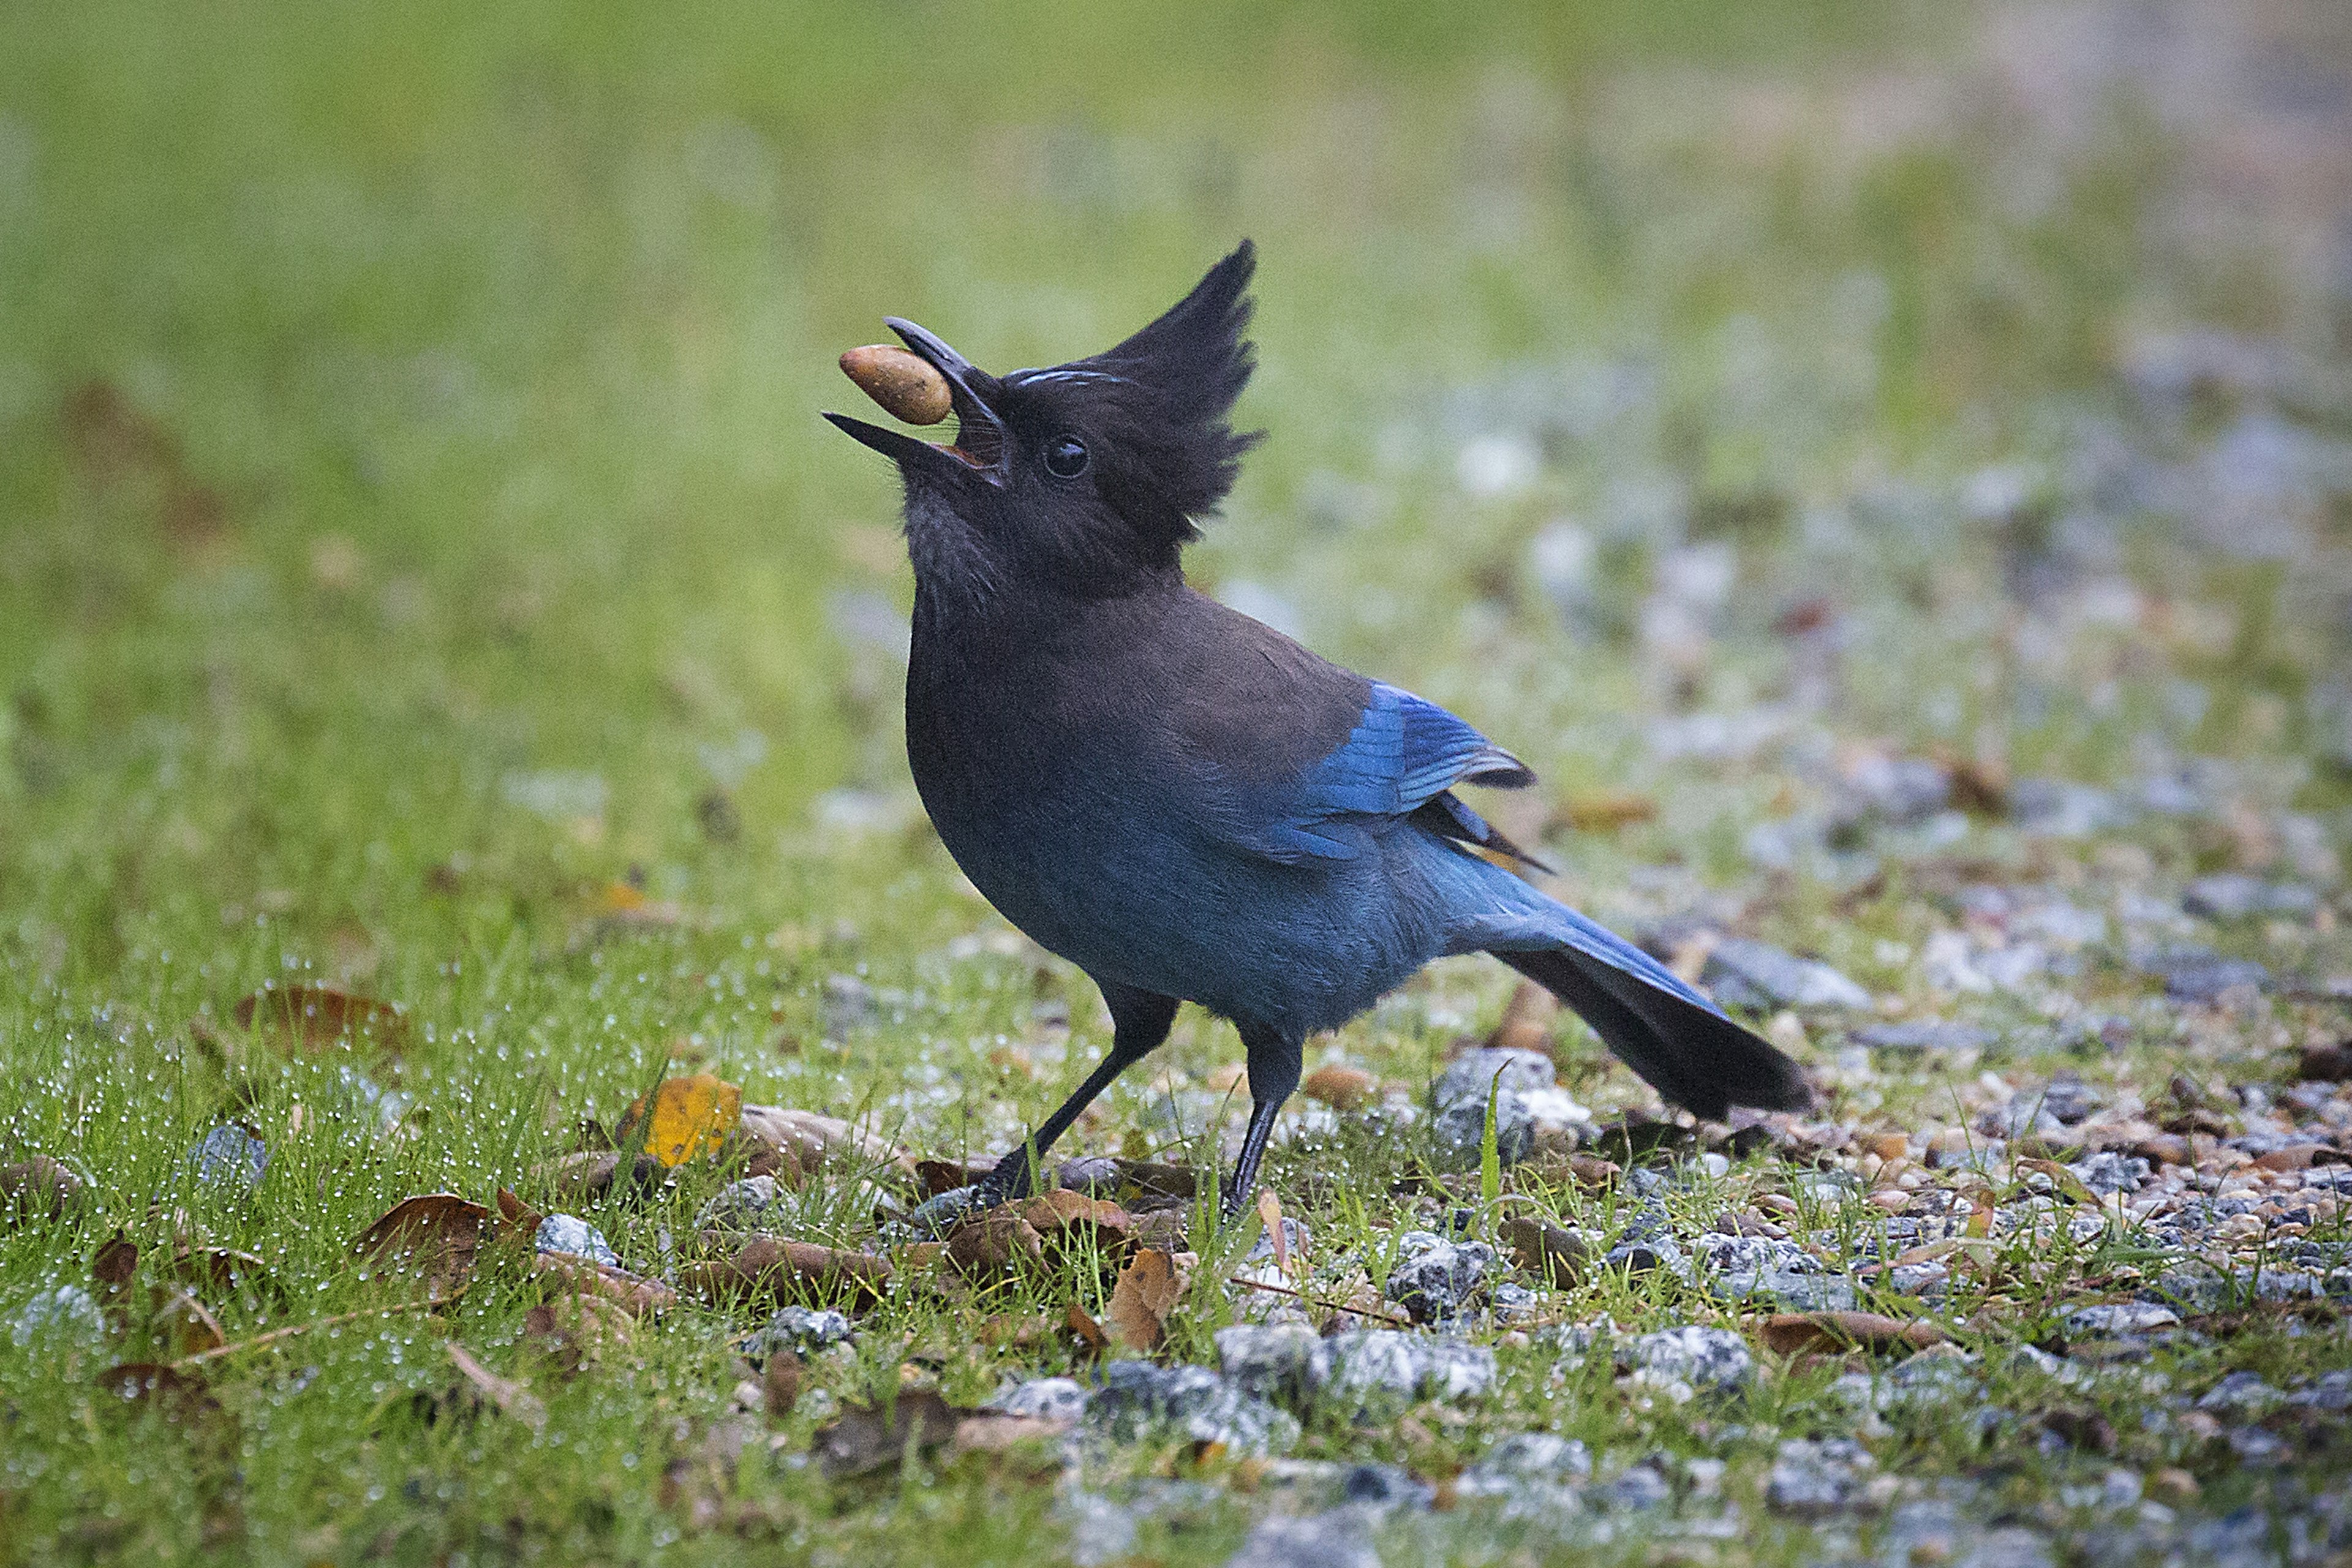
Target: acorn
x=907, y=385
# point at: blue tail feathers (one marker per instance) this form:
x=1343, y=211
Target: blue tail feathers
x=1681, y=1044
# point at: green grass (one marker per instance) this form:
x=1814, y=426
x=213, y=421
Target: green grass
x=415, y=524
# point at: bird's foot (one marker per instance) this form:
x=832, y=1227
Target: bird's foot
x=1011, y=1181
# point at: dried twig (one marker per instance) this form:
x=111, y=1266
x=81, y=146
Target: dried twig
x=1320, y=1301
x=288, y=1332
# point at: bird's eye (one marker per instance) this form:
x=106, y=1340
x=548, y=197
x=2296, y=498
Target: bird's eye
x=1066, y=456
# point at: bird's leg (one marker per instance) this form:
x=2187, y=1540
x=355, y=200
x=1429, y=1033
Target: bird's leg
x=1140, y=1022
x=1274, y=1060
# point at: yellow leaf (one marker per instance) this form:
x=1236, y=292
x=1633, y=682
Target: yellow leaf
x=690, y=1115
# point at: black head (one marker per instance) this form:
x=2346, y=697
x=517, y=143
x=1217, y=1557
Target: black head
x=1088, y=472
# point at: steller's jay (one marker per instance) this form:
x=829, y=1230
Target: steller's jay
x=1182, y=802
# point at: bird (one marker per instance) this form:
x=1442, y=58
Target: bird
x=1184, y=802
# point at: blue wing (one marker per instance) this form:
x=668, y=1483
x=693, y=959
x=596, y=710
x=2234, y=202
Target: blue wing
x=1403, y=756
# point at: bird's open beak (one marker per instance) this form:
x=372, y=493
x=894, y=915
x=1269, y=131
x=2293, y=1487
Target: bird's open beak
x=980, y=447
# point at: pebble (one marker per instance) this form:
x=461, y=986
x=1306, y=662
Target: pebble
x=1377, y=1371
x=2241, y=1393
x=230, y=1153
x=2192, y=973
x=848, y=1004
x=1137, y=1397
x=1923, y=1034
x=1812, y=1477
x=1341, y=1539
x=2109, y=1172
x=1100, y=1530
x=1640, y=1489
x=1383, y=1486
x=2051, y=808
x=739, y=1205
x=1647, y=1242
x=1897, y=789
x=1287, y=1363
x=1746, y=1266
x=1702, y=1358
x=804, y=1330
x=2330, y=1392
x=1526, y=1459
x=1042, y=1398
x=1924, y=1531
x=2007, y=1546
x=2235, y=896
x=1527, y=1097
x=1434, y=1279
x=1745, y=973
x=2121, y=1318
x=573, y=1237
x=1927, y=1380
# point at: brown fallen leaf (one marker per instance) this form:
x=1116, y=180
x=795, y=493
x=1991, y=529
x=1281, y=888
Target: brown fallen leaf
x=1550, y=1252
x=780, y=1383
x=688, y=1116
x=933, y=1177
x=522, y=1219
x=631, y=1293
x=510, y=1397
x=591, y=1175
x=2329, y=1063
x=114, y=441
x=1145, y=1293
x=184, y=1325
x=1022, y=1333
x=1792, y=1334
x=1083, y=1326
x=998, y=1434
x=180, y=1393
x=224, y=1273
x=1169, y=1229
x=1979, y=785
x=740, y=1154
x=988, y=1244
x=1525, y=1023
x=114, y=1263
x=431, y=1240
x=1144, y=1185
x=865, y=1438
x=38, y=1188
x=573, y=1331
x=317, y=1018
x=1584, y=1169
x=1066, y=1221
x=2298, y=1157
x=766, y=1266
x=815, y=1138
x=2164, y=1149
x=1341, y=1088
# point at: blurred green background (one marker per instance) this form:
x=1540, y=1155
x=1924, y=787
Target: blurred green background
x=408, y=442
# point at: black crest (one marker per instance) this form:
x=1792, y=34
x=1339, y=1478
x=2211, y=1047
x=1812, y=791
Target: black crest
x=1162, y=401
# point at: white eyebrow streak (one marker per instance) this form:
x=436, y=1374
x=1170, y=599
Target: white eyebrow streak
x=1028, y=377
